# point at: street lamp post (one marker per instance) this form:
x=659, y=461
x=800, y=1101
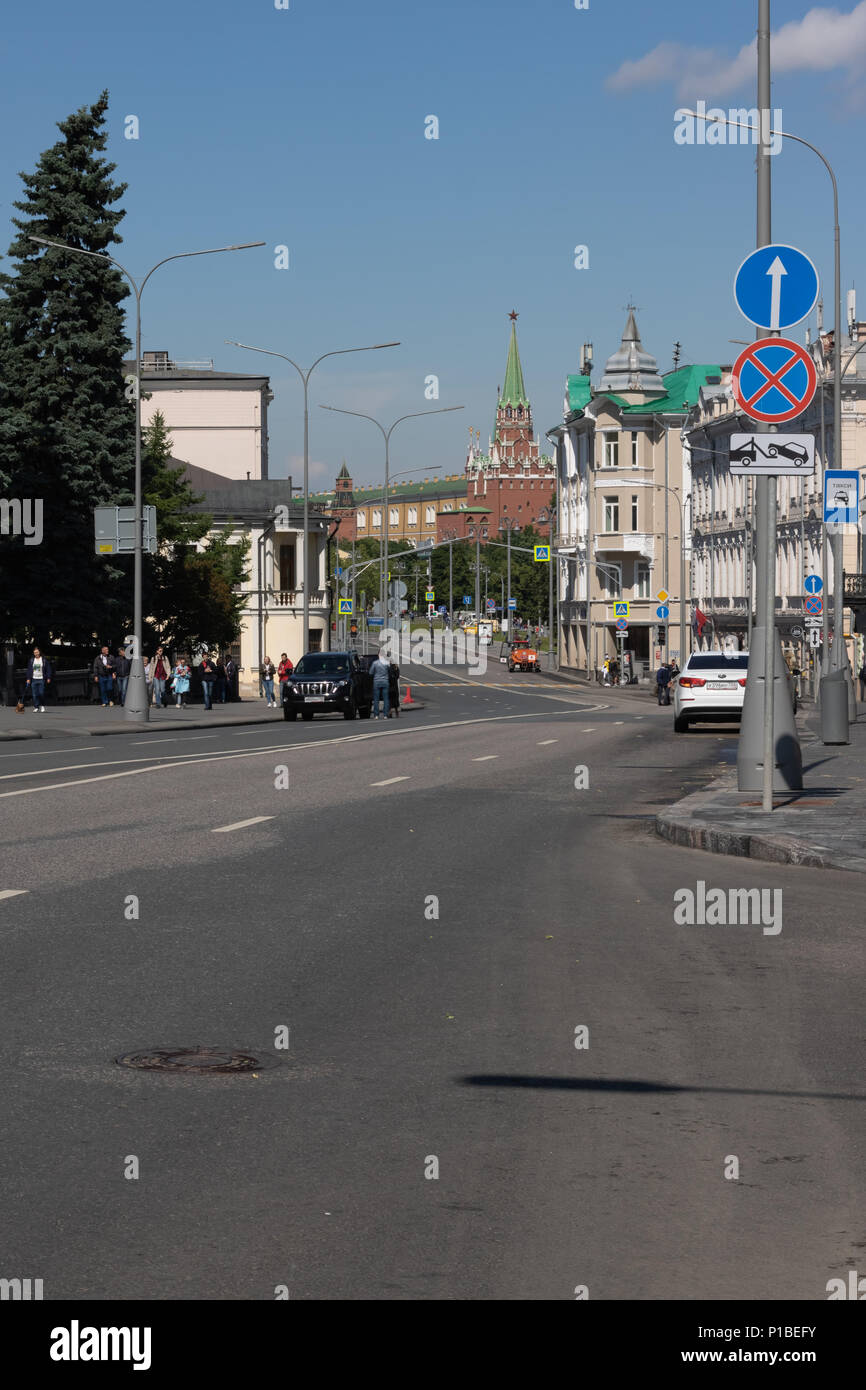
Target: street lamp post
x=508, y=525
x=548, y=515
x=136, y=703
x=681, y=502
x=386, y=434
x=305, y=378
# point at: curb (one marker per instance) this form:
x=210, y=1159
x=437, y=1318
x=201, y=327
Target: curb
x=681, y=825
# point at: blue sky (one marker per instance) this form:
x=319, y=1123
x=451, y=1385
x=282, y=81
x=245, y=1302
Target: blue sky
x=305, y=127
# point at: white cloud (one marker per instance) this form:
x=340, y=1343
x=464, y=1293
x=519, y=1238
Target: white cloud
x=822, y=40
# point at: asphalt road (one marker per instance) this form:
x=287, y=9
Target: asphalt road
x=432, y=907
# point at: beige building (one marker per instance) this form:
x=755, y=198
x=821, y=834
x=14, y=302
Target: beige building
x=217, y=420
x=623, y=508
x=264, y=512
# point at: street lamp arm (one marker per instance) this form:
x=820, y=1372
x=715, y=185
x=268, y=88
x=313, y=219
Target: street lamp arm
x=850, y=358
x=357, y=413
x=338, y=352
x=443, y=410
x=268, y=353
x=183, y=255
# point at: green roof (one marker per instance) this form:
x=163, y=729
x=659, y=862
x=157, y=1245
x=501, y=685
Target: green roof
x=514, y=391
x=445, y=487
x=682, y=389
x=579, y=392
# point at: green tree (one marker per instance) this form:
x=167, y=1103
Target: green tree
x=66, y=427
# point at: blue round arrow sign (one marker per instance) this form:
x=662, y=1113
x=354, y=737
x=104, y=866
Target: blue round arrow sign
x=663, y=611
x=813, y=583
x=776, y=287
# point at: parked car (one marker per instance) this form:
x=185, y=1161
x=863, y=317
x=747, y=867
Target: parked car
x=711, y=686
x=328, y=683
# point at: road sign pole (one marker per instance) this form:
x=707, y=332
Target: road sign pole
x=767, y=731
x=764, y=486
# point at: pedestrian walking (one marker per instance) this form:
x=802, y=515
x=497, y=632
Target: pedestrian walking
x=861, y=676
x=39, y=673
x=663, y=684
x=381, y=673
x=148, y=677
x=161, y=676
x=208, y=673
x=219, y=690
x=122, y=668
x=269, y=671
x=231, y=676
x=103, y=675
x=394, y=690
x=180, y=682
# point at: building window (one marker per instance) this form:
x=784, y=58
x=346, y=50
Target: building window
x=611, y=514
x=412, y=516
x=634, y=457
x=429, y=516
x=287, y=566
x=508, y=412
x=612, y=579
x=520, y=412
x=634, y=525
x=611, y=450
x=449, y=507
x=362, y=521
x=377, y=518
x=642, y=581
x=393, y=516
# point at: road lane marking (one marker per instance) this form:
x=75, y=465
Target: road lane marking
x=54, y=752
x=163, y=763
x=488, y=758
x=13, y=892
x=389, y=781
x=239, y=824
x=544, y=742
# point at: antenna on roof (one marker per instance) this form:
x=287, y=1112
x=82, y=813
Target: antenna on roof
x=677, y=354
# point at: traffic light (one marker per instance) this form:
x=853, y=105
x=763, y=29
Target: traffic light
x=662, y=634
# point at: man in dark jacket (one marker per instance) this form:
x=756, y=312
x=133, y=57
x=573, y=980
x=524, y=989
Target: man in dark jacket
x=663, y=684
x=103, y=675
x=122, y=668
x=208, y=672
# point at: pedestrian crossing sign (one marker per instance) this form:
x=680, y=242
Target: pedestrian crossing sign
x=620, y=610
x=542, y=552
x=345, y=606
x=431, y=594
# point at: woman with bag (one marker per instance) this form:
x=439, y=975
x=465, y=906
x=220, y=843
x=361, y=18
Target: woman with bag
x=161, y=672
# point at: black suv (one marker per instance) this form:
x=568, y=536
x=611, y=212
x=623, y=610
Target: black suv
x=328, y=683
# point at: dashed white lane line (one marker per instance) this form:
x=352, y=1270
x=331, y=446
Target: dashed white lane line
x=12, y=892
x=163, y=762
x=239, y=824
x=587, y=731
x=389, y=781
x=488, y=758
x=545, y=741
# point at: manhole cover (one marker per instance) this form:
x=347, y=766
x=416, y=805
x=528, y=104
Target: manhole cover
x=199, y=1061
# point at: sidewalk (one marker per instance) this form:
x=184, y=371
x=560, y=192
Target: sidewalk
x=823, y=826
x=86, y=721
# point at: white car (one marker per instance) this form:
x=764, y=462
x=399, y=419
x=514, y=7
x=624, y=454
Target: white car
x=711, y=685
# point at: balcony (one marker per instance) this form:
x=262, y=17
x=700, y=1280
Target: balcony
x=624, y=543
x=854, y=590
x=294, y=598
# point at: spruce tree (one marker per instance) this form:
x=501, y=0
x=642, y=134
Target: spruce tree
x=66, y=427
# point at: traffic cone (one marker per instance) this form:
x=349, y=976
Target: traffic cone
x=406, y=700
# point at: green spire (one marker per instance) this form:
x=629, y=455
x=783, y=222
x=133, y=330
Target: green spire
x=514, y=391
x=344, y=472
